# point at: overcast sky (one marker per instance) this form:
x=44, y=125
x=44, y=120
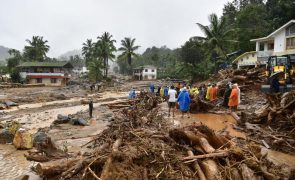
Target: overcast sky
x=66, y=24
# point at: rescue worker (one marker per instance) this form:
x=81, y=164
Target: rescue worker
x=184, y=101
x=233, y=99
x=208, y=91
x=227, y=94
x=152, y=88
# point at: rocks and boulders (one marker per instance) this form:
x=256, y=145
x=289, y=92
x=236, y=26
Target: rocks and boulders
x=61, y=119
x=58, y=96
x=10, y=103
x=79, y=121
x=23, y=139
x=39, y=137
x=5, y=136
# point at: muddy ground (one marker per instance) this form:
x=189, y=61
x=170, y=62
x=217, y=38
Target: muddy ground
x=39, y=107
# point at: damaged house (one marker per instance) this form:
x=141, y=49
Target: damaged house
x=48, y=73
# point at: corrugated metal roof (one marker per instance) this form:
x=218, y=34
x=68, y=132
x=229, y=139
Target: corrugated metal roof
x=46, y=64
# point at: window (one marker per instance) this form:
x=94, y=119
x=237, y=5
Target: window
x=270, y=46
x=53, y=80
x=261, y=46
x=253, y=54
x=145, y=70
x=290, y=30
x=39, y=80
x=153, y=70
x=290, y=43
x=153, y=77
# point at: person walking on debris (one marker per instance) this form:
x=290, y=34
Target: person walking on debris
x=213, y=93
x=152, y=88
x=166, y=89
x=184, y=102
x=132, y=94
x=90, y=107
x=162, y=91
x=275, y=85
x=208, y=91
x=158, y=91
x=233, y=99
x=171, y=100
x=202, y=91
x=91, y=87
x=227, y=94
x=194, y=91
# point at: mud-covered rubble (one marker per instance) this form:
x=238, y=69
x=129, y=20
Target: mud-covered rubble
x=267, y=119
x=141, y=144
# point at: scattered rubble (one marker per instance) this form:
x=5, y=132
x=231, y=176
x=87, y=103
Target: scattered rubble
x=141, y=144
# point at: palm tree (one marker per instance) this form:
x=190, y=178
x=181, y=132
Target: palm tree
x=37, y=49
x=105, y=48
x=216, y=34
x=128, y=49
x=88, y=51
x=95, y=67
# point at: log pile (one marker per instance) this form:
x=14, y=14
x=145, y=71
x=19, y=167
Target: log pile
x=245, y=78
x=279, y=115
x=140, y=144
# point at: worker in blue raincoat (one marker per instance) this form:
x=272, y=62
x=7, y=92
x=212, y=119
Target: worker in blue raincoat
x=184, y=101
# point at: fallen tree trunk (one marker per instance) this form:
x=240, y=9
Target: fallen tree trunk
x=108, y=165
x=210, y=169
x=239, y=78
x=197, y=167
x=55, y=167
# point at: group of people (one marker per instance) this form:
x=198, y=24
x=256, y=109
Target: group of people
x=175, y=94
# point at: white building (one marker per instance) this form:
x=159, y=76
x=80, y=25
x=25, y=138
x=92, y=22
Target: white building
x=248, y=59
x=145, y=72
x=280, y=42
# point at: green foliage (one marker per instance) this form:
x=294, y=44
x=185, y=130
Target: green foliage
x=88, y=51
x=194, y=63
x=216, y=34
x=128, y=49
x=3, y=69
x=15, y=76
x=105, y=48
x=36, y=50
x=95, y=69
x=251, y=22
x=14, y=60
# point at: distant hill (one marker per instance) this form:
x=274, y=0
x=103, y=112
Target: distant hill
x=66, y=56
x=3, y=53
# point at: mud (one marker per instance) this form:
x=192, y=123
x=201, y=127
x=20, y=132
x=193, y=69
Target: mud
x=12, y=162
x=217, y=122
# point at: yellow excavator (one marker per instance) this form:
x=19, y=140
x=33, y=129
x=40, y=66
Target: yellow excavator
x=281, y=68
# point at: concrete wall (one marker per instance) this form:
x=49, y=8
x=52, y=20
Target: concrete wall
x=149, y=74
x=279, y=41
x=47, y=82
x=248, y=60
